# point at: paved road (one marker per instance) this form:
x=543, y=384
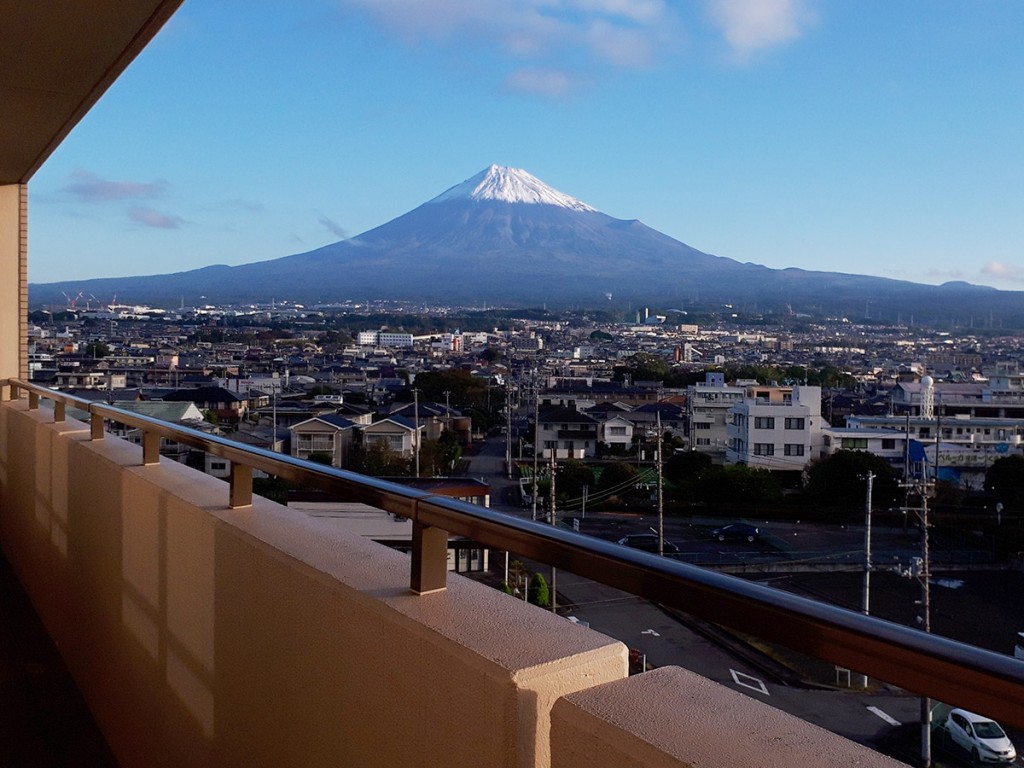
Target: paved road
x=871, y=717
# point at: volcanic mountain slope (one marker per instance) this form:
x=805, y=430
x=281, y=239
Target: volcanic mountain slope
x=503, y=236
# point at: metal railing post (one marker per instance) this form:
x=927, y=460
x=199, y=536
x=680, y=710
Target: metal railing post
x=429, y=559
x=241, y=485
x=95, y=426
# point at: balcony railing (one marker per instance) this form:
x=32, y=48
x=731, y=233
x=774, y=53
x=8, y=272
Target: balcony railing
x=926, y=664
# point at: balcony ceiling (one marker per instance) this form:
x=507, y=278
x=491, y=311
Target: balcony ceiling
x=57, y=57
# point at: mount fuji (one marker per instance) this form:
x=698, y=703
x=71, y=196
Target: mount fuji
x=505, y=237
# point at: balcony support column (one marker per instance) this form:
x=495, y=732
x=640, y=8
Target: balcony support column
x=241, y=485
x=13, y=280
x=429, y=558
x=150, y=448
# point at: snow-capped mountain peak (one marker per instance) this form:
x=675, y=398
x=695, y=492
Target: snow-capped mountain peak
x=509, y=185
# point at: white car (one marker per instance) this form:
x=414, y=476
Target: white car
x=979, y=737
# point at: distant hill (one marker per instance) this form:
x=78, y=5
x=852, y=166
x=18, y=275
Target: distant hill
x=505, y=237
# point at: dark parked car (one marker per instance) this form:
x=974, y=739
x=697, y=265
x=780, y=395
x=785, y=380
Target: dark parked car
x=737, y=532
x=648, y=542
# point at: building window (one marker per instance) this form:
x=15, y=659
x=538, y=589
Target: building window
x=855, y=443
x=925, y=432
x=701, y=425
x=764, y=422
x=616, y=430
x=794, y=449
x=888, y=444
x=764, y=449
x=218, y=465
x=794, y=423
x=703, y=441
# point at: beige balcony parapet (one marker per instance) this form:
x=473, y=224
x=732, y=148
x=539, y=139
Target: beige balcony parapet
x=673, y=718
x=202, y=635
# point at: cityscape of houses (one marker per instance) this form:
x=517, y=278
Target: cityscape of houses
x=308, y=383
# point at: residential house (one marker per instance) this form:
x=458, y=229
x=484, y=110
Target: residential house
x=398, y=432
x=327, y=434
x=571, y=434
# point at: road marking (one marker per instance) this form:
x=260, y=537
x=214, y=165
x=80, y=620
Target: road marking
x=884, y=716
x=650, y=632
x=749, y=681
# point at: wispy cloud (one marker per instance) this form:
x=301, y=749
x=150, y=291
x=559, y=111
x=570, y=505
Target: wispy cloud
x=549, y=83
x=750, y=26
x=542, y=37
x=152, y=218
x=1004, y=271
x=332, y=226
x=949, y=274
x=91, y=188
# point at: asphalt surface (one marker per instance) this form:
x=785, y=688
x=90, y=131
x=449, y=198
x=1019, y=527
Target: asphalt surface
x=983, y=608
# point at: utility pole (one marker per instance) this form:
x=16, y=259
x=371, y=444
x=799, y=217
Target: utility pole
x=508, y=428
x=866, y=596
x=536, y=446
x=920, y=569
x=661, y=506
x=416, y=426
x=551, y=520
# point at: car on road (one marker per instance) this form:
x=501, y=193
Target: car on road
x=737, y=532
x=980, y=738
x=648, y=542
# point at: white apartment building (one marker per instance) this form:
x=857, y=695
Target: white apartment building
x=384, y=339
x=966, y=445
x=776, y=428
x=707, y=410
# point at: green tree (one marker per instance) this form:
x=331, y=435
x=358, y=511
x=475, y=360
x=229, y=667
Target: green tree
x=1004, y=481
x=540, y=593
x=571, y=477
x=321, y=457
x=97, y=349
x=686, y=466
x=643, y=366
x=616, y=475
x=838, y=480
x=380, y=460
x=737, y=484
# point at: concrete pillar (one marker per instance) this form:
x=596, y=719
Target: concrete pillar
x=13, y=279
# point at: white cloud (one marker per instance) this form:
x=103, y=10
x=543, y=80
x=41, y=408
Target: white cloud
x=543, y=35
x=1004, y=271
x=332, y=226
x=151, y=218
x=91, y=188
x=549, y=83
x=752, y=25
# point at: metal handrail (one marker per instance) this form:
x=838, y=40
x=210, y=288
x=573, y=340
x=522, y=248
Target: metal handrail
x=930, y=665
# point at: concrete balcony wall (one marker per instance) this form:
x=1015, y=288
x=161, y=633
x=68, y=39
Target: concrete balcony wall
x=672, y=718
x=205, y=636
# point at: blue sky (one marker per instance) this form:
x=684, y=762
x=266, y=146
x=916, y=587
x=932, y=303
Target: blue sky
x=873, y=137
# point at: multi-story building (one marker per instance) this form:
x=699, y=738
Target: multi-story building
x=776, y=428
x=707, y=411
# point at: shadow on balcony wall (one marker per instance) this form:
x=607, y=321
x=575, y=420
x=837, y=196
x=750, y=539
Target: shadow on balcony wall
x=203, y=636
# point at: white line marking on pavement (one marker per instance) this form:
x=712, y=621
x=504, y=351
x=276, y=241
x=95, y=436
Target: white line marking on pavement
x=749, y=681
x=650, y=632
x=884, y=716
